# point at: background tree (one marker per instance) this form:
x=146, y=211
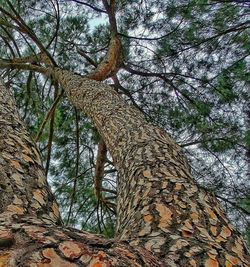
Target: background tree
x=198, y=99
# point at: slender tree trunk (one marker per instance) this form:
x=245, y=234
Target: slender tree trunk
x=164, y=218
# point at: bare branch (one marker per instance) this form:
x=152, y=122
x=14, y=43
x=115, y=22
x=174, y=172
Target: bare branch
x=99, y=168
x=153, y=38
x=23, y=27
x=48, y=116
x=88, y=5
x=89, y=59
x=76, y=165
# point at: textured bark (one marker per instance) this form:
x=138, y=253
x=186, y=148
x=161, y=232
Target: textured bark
x=31, y=232
x=99, y=169
x=110, y=64
x=164, y=218
x=24, y=189
x=160, y=207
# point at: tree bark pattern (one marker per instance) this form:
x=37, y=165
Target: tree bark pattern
x=164, y=218
x=30, y=242
x=160, y=207
x=99, y=169
x=30, y=231
x=24, y=188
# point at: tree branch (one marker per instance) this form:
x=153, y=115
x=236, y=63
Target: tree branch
x=89, y=59
x=234, y=204
x=22, y=66
x=23, y=27
x=48, y=116
x=99, y=168
x=88, y=5
x=153, y=38
x=76, y=165
x=112, y=61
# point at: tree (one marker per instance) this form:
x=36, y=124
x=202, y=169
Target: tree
x=164, y=217
x=198, y=100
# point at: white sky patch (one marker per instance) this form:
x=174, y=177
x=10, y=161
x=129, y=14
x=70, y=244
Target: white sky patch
x=97, y=21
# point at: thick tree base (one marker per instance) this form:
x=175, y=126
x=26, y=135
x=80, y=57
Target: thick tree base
x=31, y=242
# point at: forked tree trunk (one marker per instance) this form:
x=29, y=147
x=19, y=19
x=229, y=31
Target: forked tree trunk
x=164, y=218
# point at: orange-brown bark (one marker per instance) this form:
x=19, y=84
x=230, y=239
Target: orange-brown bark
x=110, y=64
x=112, y=60
x=160, y=207
x=164, y=218
x=30, y=227
x=99, y=168
x=24, y=188
x=30, y=242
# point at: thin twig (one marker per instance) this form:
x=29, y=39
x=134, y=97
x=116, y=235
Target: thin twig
x=48, y=115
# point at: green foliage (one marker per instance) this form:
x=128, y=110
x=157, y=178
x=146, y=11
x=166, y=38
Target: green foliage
x=225, y=89
x=247, y=138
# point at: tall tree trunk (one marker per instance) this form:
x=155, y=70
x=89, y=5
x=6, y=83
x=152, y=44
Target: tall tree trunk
x=24, y=188
x=164, y=218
